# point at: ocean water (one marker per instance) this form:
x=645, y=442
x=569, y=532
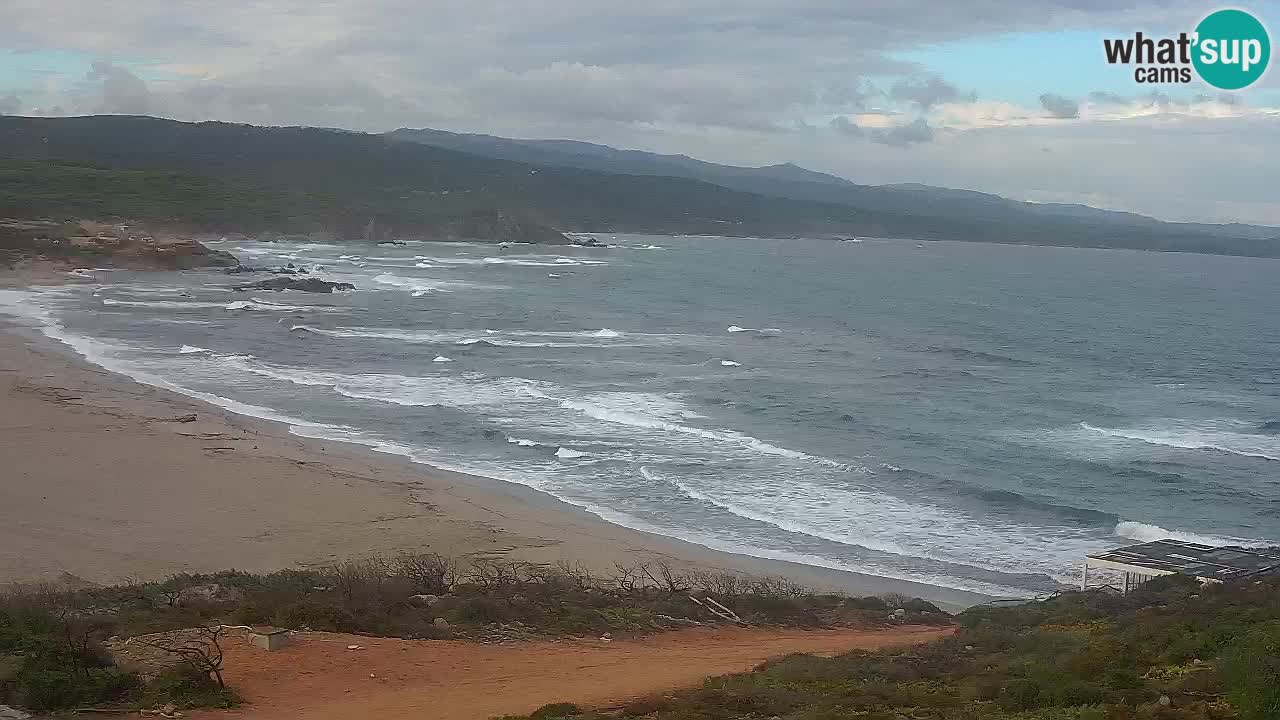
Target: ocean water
x=973, y=416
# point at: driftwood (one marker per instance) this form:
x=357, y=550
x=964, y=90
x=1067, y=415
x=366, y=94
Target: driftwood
x=710, y=605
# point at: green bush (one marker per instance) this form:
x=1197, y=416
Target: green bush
x=1251, y=671
x=556, y=711
x=186, y=687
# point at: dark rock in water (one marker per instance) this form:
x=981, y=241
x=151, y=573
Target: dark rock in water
x=284, y=271
x=243, y=269
x=392, y=242
x=315, y=285
x=588, y=242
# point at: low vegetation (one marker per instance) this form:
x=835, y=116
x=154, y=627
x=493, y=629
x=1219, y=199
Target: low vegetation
x=53, y=657
x=1170, y=651
x=54, y=643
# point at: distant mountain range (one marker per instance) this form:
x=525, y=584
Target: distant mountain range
x=425, y=183
x=792, y=181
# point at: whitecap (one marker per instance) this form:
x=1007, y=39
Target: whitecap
x=606, y=333
x=190, y=349
x=1184, y=436
x=737, y=329
x=1143, y=532
x=418, y=284
x=161, y=304
x=442, y=359
x=565, y=453
x=267, y=305
x=730, y=363
x=522, y=442
x=648, y=421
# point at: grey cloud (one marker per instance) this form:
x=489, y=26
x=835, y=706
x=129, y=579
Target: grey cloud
x=845, y=126
x=10, y=104
x=120, y=91
x=911, y=133
x=760, y=64
x=928, y=91
x=1060, y=106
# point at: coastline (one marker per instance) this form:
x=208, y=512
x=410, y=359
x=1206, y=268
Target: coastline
x=92, y=492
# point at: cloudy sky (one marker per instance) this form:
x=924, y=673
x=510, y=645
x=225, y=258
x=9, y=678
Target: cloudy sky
x=1012, y=97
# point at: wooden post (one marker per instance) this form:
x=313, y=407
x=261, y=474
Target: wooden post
x=1084, y=577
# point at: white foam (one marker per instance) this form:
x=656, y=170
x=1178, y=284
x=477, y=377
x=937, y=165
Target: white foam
x=565, y=453
x=894, y=525
x=730, y=363
x=267, y=305
x=1181, y=435
x=732, y=437
x=191, y=349
x=162, y=304
x=512, y=260
x=1143, y=532
x=737, y=329
x=441, y=359
x=502, y=338
x=422, y=285
x=522, y=442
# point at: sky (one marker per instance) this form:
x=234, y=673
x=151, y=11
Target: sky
x=1011, y=97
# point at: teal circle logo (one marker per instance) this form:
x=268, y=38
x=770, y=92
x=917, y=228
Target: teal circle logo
x=1231, y=49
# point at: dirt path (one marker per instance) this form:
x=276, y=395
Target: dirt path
x=317, y=677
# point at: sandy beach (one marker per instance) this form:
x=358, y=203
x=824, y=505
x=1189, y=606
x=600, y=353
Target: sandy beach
x=105, y=479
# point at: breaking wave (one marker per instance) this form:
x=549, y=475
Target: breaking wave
x=495, y=338
x=650, y=422
x=421, y=285
x=163, y=304
x=1143, y=532
x=1265, y=447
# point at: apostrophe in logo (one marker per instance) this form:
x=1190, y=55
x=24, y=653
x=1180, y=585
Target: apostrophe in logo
x=1229, y=50
x=1232, y=49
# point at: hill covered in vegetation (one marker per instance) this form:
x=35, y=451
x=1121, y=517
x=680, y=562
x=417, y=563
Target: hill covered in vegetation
x=225, y=177
x=1172, y=650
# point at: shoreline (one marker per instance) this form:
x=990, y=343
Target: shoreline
x=261, y=498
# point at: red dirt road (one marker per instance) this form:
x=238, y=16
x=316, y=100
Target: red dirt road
x=316, y=677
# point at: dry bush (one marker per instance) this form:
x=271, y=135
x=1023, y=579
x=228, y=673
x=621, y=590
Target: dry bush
x=430, y=573
x=668, y=580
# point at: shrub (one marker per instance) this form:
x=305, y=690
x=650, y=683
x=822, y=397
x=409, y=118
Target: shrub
x=1251, y=672
x=556, y=711
x=186, y=687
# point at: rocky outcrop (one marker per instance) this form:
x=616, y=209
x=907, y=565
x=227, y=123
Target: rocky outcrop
x=501, y=225
x=310, y=284
x=89, y=244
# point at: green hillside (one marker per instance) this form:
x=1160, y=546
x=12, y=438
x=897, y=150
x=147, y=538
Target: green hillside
x=226, y=177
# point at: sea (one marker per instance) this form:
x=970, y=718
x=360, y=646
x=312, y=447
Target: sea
x=973, y=416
